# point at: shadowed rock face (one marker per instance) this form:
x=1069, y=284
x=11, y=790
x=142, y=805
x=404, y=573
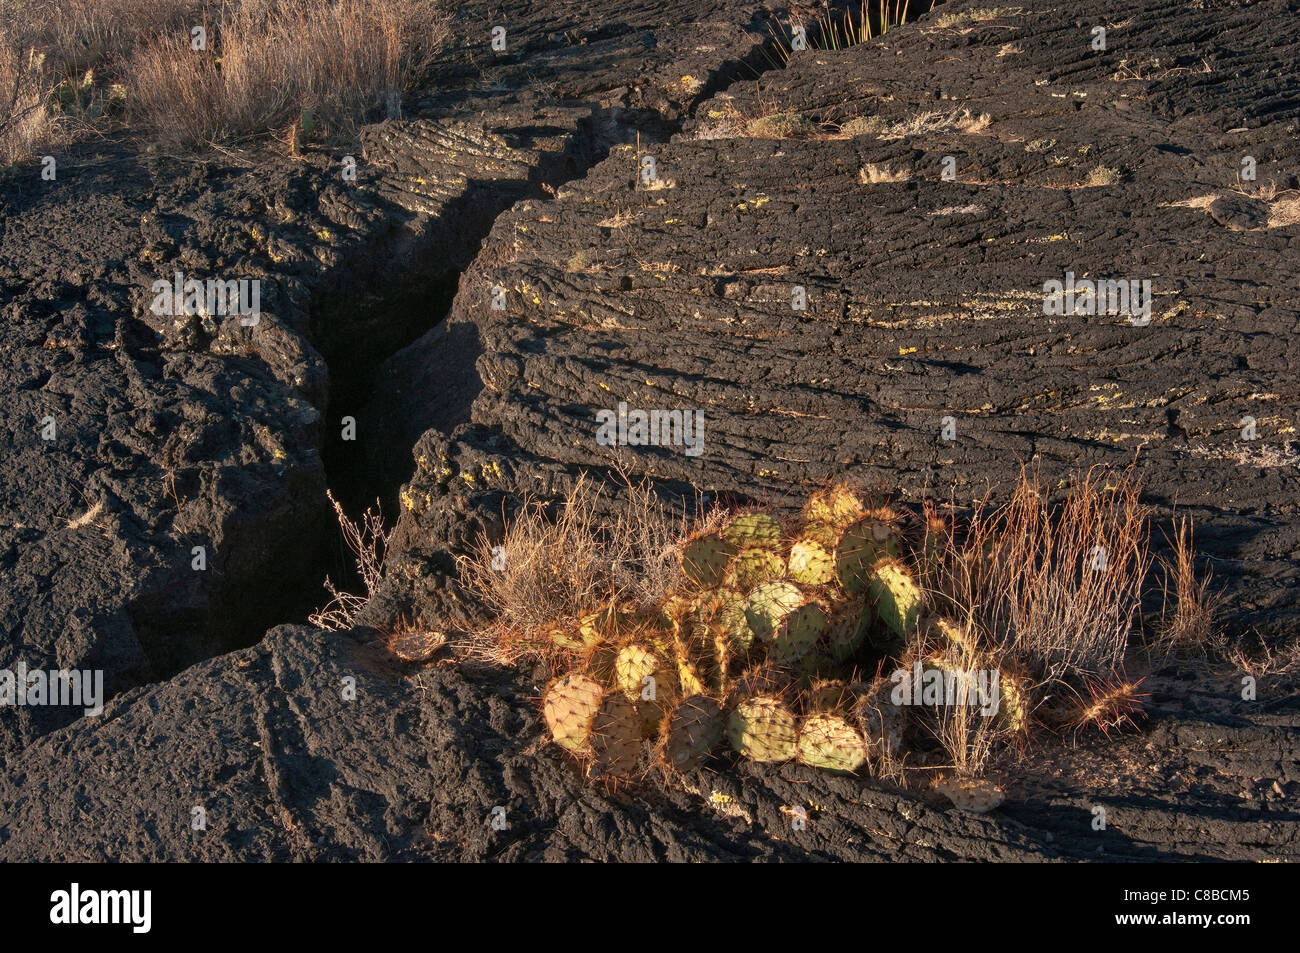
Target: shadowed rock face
x=521, y=170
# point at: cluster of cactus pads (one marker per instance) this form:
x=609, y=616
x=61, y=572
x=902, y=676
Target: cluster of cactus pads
x=757, y=646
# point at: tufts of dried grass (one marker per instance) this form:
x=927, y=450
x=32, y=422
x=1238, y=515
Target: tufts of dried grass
x=271, y=63
x=560, y=563
x=1059, y=588
x=1187, y=627
x=265, y=65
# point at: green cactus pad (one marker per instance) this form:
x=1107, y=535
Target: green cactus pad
x=860, y=547
x=847, y=628
x=569, y=708
x=797, y=634
x=615, y=737
x=769, y=604
x=831, y=743
x=898, y=600
x=762, y=729
x=753, y=567
x=694, y=732
x=632, y=666
x=754, y=529
x=705, y=559
x=811, y=563
x=731, y=619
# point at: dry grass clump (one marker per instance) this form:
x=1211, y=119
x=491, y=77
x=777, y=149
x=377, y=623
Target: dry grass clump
x=1102, y=176
x=273, y=63
x=932, y=121
x=1049, y=597
x=25, y=124
x=874, y=174
x=560, y=563
x=1186, y=629
x=863, y=126
x=948, y=21
x=265, y=64
x=1059, y=587
x=781, y=126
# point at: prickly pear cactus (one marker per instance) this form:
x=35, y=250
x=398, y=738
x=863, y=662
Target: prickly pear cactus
x=633, y=664
x=811, y=563
x=705, y=559
x=1013, y=704
x=754, y=566
x=762, y=729
x=754, y=529
x=570, y=707
x=797, y=633
x=830, y=696
x=882, y=722
x=836, y=507
x=732, y=621
x=688, y=675
x=897, y=598
x=694, y=732
x=847, y=628
x=860, y=548
x=829, y=742
x=769, y=604
x=615, y=737
x=760, y=641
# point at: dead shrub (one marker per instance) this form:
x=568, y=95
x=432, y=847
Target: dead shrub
x=25, y=123
x=368, y=542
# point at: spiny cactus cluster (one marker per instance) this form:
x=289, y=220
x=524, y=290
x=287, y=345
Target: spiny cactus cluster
x=759, y=644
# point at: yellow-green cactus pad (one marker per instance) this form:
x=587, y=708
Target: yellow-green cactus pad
x=860, y=547
x=797, y=634
x=705, y=559
x=769, y=604
x=837, y=506
x=754, y=567
x=831, y=743
x=754, y=529
x=762, y=729
x=811, y=563
x=897, y=598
